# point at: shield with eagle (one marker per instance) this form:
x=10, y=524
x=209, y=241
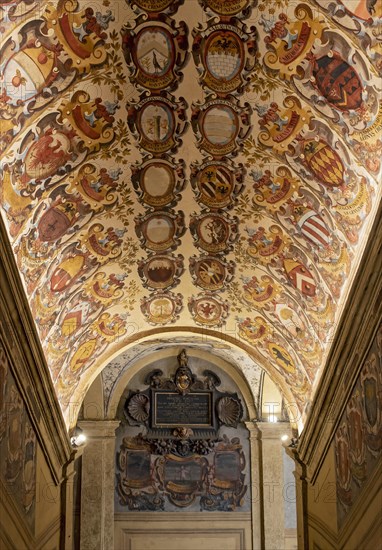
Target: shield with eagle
x=215, y=184
x=47, y=155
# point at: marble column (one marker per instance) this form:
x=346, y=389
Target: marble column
x=273, y=483
x=97, y=485
x=256, y=485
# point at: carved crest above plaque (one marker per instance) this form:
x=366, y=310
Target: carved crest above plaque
x=183, y=406
x=183, y=454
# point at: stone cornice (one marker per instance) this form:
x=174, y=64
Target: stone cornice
x=25, y=354
x=274, y=430
x=99, y=429
x=353, y=338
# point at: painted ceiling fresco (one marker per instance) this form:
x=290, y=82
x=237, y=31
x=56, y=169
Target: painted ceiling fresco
x=208, y=167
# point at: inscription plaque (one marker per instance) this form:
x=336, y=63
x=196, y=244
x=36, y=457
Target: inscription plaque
x=173, y=409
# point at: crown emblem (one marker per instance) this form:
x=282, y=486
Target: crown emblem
x=280, y=126
x=106, y=289
x=81, y=33
x=290, y=41
x=90, y=119
x=260, y=292
x=103, y=243
x=274, y=189
x=110, y=327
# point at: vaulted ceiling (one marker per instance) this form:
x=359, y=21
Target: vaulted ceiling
x=203, y=168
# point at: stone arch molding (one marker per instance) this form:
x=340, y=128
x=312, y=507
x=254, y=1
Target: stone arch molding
x=103, y=395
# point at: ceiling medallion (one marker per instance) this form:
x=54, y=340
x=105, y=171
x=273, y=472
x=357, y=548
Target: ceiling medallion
x=157, y=122
x=105, y=288
x=161, y=271
x=162, y=307
x=214, y=232
x=368, y=143
x=159, y=231
x=227, y=54
x=221, y=125
x=211, y=273
x=208, y=310
x=91, y=119
x=290, y=41
x=110, y=327
x=67, y=273
x=78, y=32
x=156, y=6
x=228, y=7
x=47, y=152
x=280, y=126
x=36, y=63
x=158, y=182
x=57, y=220
x=158, y=50
x=217, y=184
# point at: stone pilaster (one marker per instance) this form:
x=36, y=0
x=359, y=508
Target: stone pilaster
x=273, y=483
x=67, y=503
x=256, y=485
x=97, y=493
x=301, y=500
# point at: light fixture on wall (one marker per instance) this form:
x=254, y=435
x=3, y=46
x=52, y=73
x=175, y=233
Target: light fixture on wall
x=284, y=437
x=78, y=439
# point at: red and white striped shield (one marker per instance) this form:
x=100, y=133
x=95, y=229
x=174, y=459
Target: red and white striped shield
x=314, y=228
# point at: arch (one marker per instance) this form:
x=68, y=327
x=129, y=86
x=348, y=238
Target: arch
x=148, y=343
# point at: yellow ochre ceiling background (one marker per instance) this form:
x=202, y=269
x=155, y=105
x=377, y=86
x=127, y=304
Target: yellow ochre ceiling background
x=207, y=168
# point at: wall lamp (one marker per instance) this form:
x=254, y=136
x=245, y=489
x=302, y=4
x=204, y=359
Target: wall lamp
x=78, y=439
